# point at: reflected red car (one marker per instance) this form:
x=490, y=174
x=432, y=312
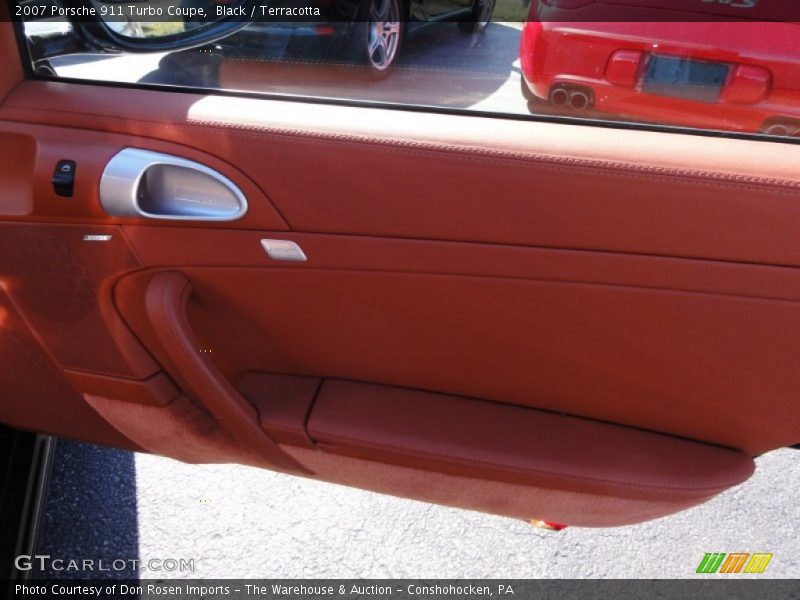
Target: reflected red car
x=700, y=71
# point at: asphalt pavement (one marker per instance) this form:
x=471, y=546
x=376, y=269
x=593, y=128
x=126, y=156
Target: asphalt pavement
x=237, y=521
x=439, y=66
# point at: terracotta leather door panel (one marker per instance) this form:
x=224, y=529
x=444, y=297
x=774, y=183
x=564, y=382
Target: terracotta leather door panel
x=467, y=178
x=470, y=284
x=35, y=395
x=472, y=438
x=690, y=364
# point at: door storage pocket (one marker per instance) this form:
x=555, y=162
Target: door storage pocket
x=499, y=442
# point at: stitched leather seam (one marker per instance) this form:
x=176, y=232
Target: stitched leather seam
x=523, y=471
x=186, y=357
x=500, y=157
x=268, y=450
x=281, y=427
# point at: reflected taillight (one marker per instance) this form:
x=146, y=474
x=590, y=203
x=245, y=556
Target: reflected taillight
x=747, y=84
x=623, y=67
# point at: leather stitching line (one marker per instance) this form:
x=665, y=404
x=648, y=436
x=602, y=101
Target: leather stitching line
x=271, y=454
x=521, y=471
x=500, y=157
x=173, y=334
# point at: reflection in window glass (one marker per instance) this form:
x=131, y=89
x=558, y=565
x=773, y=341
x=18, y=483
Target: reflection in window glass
x=713, y=65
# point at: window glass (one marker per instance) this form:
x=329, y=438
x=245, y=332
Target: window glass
x=723, y=65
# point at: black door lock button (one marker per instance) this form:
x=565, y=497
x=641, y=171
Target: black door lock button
x=64, y=178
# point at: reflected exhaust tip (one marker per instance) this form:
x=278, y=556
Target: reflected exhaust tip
x=579, y=101
x=567, y=96
x=559, y=97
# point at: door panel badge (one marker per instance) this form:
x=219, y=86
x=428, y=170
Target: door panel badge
x=283, y=250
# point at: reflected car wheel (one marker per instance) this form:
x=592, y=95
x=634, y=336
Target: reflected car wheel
x=481, y=17
x=381, y=34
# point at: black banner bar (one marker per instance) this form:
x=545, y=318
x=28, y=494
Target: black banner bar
x=732, y=588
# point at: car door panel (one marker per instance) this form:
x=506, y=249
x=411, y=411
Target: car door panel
x=91, y=151
x=516, y=445
x=526, y=183
x=585, y=325
x=35, y=394
x=61, y=283
x=17, y=157
x=663, y=360
x=12, y=73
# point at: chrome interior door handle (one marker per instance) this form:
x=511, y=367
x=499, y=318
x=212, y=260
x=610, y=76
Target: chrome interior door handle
x=141, y=183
